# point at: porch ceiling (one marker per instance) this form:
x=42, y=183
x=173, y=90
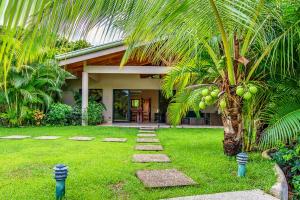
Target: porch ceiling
x=105, y=55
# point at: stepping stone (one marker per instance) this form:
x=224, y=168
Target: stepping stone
x=238, y=195
x=164, y=178
x=81, y=138
x=47, y=137
x=147, y=140
x=146, y=131
x=15, y=137
x=146, y=135
x=147, y=158
x=148, y=128
x=149, y=147
x=114, y=140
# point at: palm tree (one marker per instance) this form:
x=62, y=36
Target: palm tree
x=241, y=41
x=222, y=51
x=27, y=27
x=32, y=87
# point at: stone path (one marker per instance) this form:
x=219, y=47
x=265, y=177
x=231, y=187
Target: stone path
x=15, y=137
x=46, y=137
x=81, y=138
x=157, y=178
x=148, y=128
x=147, y=140
x=164, y=178
x=114, y=140
x=149, y=147
x=146, y=131
x=146, y=135
x=148, y=158
x=238, y=195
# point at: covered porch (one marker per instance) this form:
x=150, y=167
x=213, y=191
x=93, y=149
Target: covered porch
x=130, y=93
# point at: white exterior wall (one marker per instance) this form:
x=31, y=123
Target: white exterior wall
x=108, y=82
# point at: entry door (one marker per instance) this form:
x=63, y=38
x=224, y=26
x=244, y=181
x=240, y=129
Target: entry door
x=121, y=105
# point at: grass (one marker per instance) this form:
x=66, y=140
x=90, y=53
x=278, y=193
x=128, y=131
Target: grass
x=100, y=170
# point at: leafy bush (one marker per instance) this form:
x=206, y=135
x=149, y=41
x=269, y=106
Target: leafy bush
x=288, y=157
x=296, y=186
x=58, y=114
x=13, y=117
x=95, y=114
x=74, y=118
x=95, y=111
x=38, y=117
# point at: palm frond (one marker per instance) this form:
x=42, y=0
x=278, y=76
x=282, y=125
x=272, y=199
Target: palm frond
x=286, y=129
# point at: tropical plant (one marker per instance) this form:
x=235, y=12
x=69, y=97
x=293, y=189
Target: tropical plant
x=30, y=88
x=95, y=111
x=222, y=51
x=58, y=114
x=281, y=114
x=28, y=28
x=289, y=160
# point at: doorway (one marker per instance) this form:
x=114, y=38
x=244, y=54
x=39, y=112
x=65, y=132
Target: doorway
x=137, y=106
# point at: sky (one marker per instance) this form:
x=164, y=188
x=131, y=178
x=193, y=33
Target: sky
x=94, y=36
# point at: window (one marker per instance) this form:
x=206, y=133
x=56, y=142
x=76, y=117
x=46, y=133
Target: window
x=135, y=103
x=94, y=95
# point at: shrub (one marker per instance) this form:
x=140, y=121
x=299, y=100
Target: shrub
x=38, y=117
x=288, y=157
x=95, y=114
x=14, y=118
x=74, y=118
x=58, y=114
x=95, y=111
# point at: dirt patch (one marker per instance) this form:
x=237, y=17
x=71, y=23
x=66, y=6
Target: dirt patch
x=118, y=190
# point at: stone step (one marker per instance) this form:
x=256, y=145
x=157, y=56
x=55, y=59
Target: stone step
x=146, y=135
x=146, y=131
x=148, y=128
x=81, y=138
x=238, y=195
x=114, y=140
x=147, y=140
x=149, y=147
x=164, y=178
x=46, y=137
x=15, y=137
x=148, y=158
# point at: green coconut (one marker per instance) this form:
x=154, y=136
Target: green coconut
x=202, y=105
x=222, y=104
x=253, y=89
x=247, y=95
x=205, y=92
x=240, y=91
x=208, y=98
x=215, y=93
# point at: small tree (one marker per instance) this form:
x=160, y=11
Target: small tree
x=222, y=51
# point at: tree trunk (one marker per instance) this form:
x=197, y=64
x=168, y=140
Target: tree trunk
x=233, y=127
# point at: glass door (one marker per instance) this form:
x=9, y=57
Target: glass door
x=121, y=105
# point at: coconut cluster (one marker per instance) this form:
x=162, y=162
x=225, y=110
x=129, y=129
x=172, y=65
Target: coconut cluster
x=246, y=91
x=209, y=95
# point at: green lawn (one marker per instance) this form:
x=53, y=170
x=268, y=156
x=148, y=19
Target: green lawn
x=100, y=170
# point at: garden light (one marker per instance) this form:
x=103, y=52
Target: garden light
x=60, y=175
x=242, y=159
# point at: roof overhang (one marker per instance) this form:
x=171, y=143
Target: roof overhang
x=90, y=53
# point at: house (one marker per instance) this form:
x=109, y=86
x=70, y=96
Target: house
x=130, y=94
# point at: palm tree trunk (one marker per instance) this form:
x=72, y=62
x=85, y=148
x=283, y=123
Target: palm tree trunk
x=233, y=127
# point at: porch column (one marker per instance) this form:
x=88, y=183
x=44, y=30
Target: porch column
x=85, y=99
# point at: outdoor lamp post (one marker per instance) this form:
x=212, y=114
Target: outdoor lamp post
x=242, y=159
x=60, y=175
